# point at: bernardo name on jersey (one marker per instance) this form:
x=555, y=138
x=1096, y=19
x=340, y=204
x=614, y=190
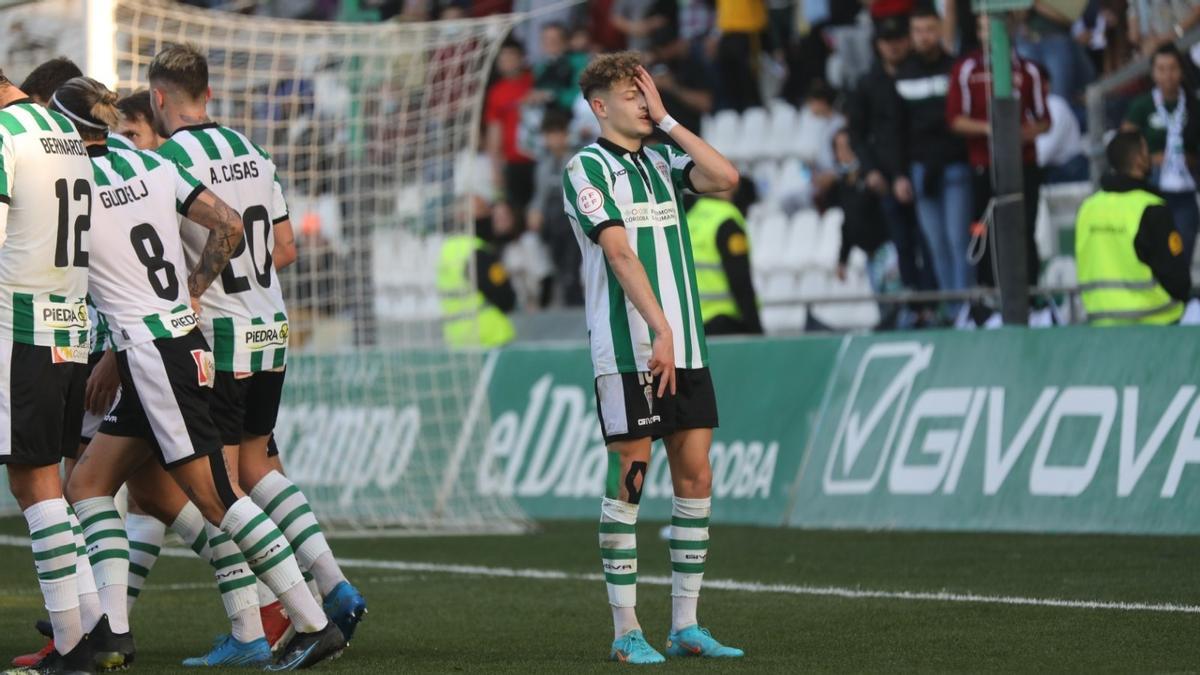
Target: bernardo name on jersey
x=243, y=313
x=44, y=257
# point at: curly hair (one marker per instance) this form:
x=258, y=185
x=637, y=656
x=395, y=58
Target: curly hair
x=608, y=69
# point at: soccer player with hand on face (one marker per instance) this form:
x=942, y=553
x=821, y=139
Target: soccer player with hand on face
x=625, y=202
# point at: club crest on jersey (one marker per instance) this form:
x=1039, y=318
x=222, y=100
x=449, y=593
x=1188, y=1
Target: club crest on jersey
x=206, y=369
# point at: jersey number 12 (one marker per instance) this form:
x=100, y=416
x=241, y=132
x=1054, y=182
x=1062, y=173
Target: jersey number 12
x=83, y=222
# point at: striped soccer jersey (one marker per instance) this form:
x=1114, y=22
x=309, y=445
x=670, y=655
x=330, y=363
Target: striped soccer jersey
x=45, y=210
x=607, y=186
x=138, y=279
x=243, y=313
x=100, y=338
x=119, y=142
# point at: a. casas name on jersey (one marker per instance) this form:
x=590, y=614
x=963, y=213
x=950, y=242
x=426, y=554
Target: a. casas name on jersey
x=124, y=194
x=234, y=171
x=53, y=145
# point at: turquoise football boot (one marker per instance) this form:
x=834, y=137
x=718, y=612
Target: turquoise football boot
x=697, y=641
x=230, y=652
x=633, y=648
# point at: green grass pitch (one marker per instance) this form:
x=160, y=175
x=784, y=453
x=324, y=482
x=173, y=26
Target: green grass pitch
x=432, y=620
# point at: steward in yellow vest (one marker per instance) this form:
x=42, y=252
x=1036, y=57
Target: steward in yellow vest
x=1128, y=252
x=721, y=251
x=473, y=315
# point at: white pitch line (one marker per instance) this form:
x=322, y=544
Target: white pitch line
x=712, y=584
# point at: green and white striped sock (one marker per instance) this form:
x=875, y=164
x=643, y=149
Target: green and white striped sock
x=289, y=509
x=85, y=581
x=270, y=558
x=689, y=551
x=54, y=554
x=108, y=551
x=145, y=543
x=618, y=554
x=234, y=580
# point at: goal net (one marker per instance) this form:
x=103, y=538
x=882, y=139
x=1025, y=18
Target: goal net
x=374, y=128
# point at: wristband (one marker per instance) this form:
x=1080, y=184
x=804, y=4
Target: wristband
x=667, y=124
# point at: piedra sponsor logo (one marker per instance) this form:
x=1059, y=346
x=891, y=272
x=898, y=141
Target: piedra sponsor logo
x=347, y=448
x=259, y=338
x=941, y=439
x=63, y=317
x=553, y=447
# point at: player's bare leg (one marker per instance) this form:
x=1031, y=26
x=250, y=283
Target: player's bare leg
x=628, y=463
x=691, y=480
x=262, y=477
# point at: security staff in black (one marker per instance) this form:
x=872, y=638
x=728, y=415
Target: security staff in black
x=1128, y=251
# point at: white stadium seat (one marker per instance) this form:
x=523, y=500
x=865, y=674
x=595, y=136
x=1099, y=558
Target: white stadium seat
x=754, y=134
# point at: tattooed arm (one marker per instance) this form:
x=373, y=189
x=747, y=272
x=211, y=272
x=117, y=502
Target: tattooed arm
x=225, y=233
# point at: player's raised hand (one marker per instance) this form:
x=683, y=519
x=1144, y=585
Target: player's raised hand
x=662, y=362
x=654, y=104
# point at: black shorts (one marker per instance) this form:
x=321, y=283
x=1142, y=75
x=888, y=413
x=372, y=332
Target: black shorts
x=248, y=406
x=91, y=423
x=41, y=404
x=629, y=407
x=272, y=448
x=166, y=390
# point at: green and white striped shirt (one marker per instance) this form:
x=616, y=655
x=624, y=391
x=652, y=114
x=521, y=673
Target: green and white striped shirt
x=605, y=186
x=243, y=314
x=45, y=205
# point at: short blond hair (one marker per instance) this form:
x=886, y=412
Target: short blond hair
x=183, y=66
x=608, y=69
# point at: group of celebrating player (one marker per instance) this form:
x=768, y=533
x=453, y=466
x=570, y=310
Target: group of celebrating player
x=149, y=260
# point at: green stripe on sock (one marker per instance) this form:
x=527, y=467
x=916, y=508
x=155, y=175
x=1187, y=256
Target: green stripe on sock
x=617, y=528
x=54, y=552
x=689, y=522
x=101, y=556
x=218, y=540
x=144, y=547
x=262, y=543
x=134, y=592
x=104, y=534
x=281, y=556
x=97, y=517
x=304, y=535
x=139, y=570
x=227, y=586
x=688, y=545
x=51, y=531
x=57, y=574
x=245, y=531
x=620, y=579
x=229, y=561
x=294, y=516
x=279, y=498
x=201, y=541
x=618, y=553
x=688, y=568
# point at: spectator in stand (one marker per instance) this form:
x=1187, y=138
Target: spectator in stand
x=502, y=113
x=1158, y=22
x=640, y=20
x=1169, y=119
x=1103, y=29
x=546, y=216
x=532, y=30
x=604, y=32
x=1060, y=150
x=741, y=23
x=683, y=83
x=876, y=114
x=938, y=178
x=862, y=222
x=968, y=108
x=721, y=249
x=556, y=77
x=818, y=122
x=1045, y=38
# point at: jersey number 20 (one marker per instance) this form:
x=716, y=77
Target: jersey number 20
x=255, y=218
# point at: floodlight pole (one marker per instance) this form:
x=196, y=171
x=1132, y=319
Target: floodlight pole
x=1008, y=215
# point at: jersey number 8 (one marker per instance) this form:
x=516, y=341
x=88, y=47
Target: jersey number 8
x=149, y=249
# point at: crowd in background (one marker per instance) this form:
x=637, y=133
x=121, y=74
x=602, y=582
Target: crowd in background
x=892, y=124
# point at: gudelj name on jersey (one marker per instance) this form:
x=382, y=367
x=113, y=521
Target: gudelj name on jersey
x=53, y=145
x=228, y=173
x=124, y=194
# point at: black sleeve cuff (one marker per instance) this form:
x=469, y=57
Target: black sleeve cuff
x=594, y=235
x=280, y=219
x=687, y=178
x=187, y=203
